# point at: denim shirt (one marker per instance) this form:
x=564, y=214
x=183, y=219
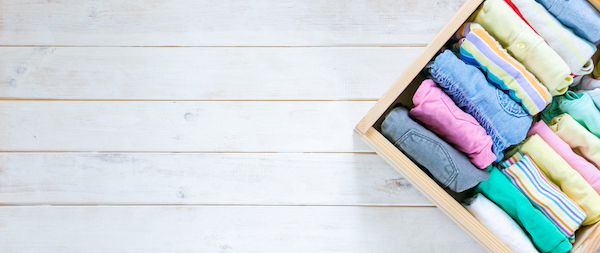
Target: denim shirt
x=450, y=167
x=503, y=119
x=579, y=15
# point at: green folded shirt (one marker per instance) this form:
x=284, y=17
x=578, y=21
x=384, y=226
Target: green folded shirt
x=544, y=234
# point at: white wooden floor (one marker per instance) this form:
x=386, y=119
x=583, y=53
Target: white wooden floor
x=207, y=126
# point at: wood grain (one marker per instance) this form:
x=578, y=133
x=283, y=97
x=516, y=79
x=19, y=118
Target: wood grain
x=216, y=178
x=223, y=23
x=417, y=66
x=230, y=229
x=184, y=73
x=207, y=126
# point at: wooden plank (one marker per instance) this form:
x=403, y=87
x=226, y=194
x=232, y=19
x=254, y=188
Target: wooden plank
x=206, y=126
x=184, y=178
x=222, y=23
x=235, y=229
x=417, y=66
x=442, y=199
x=184, y=73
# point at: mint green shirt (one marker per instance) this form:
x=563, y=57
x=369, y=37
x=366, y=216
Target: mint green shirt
x=544, y=234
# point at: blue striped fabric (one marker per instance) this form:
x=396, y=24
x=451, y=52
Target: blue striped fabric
x=563, y=211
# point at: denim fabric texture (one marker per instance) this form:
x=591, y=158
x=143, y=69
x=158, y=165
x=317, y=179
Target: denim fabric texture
x=579, y=15
x=448, y=166
x=502, y=118
x=438, y=113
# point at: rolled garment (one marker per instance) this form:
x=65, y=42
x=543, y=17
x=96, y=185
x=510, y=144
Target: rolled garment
x=596, y=72
x=448, y=166
x=561, y=210
x=498, y=19
x=575, y=51
x=588, y=171
x=579, y=15
x=502, y=118
x=552, y=110
x=579, y=139
x=439, y=114
x=543, y=233
x=592, y=88
x=481, y=50
x=499, y=223
x=582, y=108
x=564, y=176
x=588, y=83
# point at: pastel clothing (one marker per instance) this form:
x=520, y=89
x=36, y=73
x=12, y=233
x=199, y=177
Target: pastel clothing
x=579, y=15
x=439, y=114
x=579, y=139
x=590, y=86
x=588, y=83
x=596, y=72
x=448, y=166
x=481, y=50
x=582, y=108
x=522, y=42
x=499, y=223
x=526, y=176
x=588, y=171
x=564, y=176
x=543, y=233
x=575, y=51
x=502, y=118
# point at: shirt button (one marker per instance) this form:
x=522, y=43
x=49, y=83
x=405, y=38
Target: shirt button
x=521, y=45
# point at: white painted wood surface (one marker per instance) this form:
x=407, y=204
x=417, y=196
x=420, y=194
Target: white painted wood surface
x=193, y=73
x=112, y=138
x=229, y=229
x=223, y=23
x=201, y=178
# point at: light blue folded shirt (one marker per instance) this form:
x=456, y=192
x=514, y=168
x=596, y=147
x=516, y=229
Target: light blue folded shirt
x=579, y=15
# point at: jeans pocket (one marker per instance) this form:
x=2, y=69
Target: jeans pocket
x=510, y=106
x=430, y=154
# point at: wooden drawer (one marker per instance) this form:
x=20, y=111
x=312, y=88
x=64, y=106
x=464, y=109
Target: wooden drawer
x=401, y=92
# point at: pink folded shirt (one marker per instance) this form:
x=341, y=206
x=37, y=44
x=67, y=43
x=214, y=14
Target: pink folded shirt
x=588, y=171
x=439, y=113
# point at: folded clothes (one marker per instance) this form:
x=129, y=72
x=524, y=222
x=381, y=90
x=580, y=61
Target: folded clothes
x=502, y=118
x=575, y=51
x=579, y=15
x=499, y=19
x=480, y=49
x=582, y=108
x=499, y=223
x=596, y=72
x=579, y=139
x=564, y=176
x=439, y=114
x=526, y=176
x=448, y=166
x=543, y=233
x=588, y=171
x=588, y=83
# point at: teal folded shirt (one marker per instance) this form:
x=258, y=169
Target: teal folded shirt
x=579, y=105
x=544, y=234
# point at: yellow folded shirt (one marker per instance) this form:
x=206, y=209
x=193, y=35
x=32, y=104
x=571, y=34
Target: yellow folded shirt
x=579, y=139
x=563, y=175
x=499, y=20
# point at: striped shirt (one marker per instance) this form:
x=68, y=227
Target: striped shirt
x=480, y=49
x=524, y=174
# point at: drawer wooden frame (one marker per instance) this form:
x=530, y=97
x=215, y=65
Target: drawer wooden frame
x=401, y=92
